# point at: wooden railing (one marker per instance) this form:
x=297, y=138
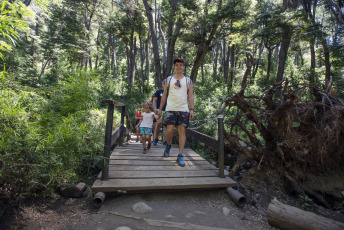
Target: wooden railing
x=212, y=142
x=111, y=137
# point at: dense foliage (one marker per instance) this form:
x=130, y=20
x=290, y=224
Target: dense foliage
x=61, y=59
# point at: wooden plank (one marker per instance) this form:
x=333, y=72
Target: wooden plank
x=113, y=185
x=162, y=174
x=148, y=157
x=130, y=147
x=113, y=102
x=116, y=133
x=208, y=140
x=153, y=154
x=152, y=151
x=158, y=167
x=168, y=162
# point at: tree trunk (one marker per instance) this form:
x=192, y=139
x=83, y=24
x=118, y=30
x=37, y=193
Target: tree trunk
x=231, y=75
x=162, y=40
x=142, y=56
x=158, y=79
x=286, y=217
x=268, y=70
x=215, y=60
x=132, y=50
x=226, y=63
x=109, y=54
x=44, y=65
x=283, y=55
x=327, y=61
x=90, y=59
x=114, y=59
x=312, y=51
x=202, y=70
x=256, y=66
x=147, y=59
x=202, y=50
x=172, y=38
x=276, y=54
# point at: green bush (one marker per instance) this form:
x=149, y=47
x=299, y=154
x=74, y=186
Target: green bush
x=50, y=137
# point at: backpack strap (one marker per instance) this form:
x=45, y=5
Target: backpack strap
x=188, y=82
x=168, y=81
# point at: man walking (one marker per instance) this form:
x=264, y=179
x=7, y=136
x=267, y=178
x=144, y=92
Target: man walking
x=178, y=91
x=156, y=106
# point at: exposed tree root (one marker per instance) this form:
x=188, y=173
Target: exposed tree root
x=301, y=134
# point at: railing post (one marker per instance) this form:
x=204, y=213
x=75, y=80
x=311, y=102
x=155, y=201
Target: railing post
x=221, y=147
x=121, y=138
x=122, y=114
x=128, y=122
x=108, y=135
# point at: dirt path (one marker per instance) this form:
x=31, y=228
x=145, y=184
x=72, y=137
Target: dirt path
x=177, y=210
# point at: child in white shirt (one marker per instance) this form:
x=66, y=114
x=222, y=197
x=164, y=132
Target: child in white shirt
x=146, y=125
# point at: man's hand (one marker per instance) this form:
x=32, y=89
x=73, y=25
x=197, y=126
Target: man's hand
x=159, y=114
x=191, y=115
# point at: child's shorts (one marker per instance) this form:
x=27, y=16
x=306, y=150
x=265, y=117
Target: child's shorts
x=146, y=131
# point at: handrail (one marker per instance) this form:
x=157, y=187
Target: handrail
x=217, y=144
x=111, y=137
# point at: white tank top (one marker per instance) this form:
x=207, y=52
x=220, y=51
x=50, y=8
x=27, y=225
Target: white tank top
x=147, y=120
x=177, y=99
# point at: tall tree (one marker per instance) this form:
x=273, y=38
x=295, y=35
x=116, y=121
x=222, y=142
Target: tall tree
x=173, y=29
x=158, y=78
x=208, y=22
x=287, y=32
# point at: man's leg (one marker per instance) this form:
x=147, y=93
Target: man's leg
x=182, y=138
x=183, y=122
x=169, y=135
x=157, y=126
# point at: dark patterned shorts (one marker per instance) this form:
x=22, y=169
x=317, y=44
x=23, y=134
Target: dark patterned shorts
x=177, y=118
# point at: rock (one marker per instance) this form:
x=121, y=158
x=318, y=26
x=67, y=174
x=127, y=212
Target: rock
x=169, y=216
x=189, y=215
x=226, y=211
x=243, y=216
x=123, y=228
x=73, y=190
x=141, y=207
x=201, y=213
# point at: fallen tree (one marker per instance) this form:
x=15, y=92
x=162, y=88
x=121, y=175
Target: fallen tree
x=287, y=217
x=300, y=133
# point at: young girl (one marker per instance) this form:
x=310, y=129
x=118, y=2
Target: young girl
x=146, y=125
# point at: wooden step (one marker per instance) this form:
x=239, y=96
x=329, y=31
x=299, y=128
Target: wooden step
x=113, y=185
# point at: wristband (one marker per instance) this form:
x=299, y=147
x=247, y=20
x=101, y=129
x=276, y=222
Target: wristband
x=191, y=109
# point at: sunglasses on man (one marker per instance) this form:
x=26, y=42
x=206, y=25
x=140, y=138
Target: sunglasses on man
x=178, y=84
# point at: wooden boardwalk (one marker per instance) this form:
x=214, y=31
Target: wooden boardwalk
x=132, y=171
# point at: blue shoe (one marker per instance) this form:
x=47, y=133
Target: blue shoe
x=167, y=150
x=165, y=143
x=155, y=142
x=180, y=160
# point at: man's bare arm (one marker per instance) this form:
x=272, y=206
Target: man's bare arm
x=191, y=100
x=163, y=98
